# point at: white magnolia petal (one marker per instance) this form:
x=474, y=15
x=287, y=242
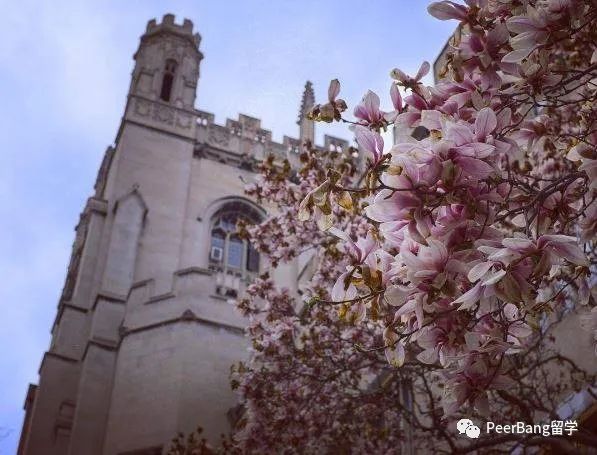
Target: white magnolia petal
x=479, y=270
x=469, y=298
x=494, y=278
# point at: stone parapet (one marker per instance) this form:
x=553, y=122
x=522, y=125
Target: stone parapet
x=245, y=137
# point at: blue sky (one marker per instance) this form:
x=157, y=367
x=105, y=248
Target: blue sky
x=64, y=72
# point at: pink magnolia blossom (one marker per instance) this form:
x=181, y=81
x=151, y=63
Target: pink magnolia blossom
x=371, y=142
x=408, y=81
x=368, y=111
x=443, y=253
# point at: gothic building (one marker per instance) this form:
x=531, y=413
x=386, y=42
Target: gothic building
x=145, y=332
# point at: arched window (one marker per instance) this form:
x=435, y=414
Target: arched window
x=168, y=79
x=228, y=252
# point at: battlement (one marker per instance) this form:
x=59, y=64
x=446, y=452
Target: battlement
x=245, y=138
x=169, y=25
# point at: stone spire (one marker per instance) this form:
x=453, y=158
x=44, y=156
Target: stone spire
x=307, y=127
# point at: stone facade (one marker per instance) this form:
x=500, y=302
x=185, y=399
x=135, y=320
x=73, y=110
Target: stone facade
x=145, y=331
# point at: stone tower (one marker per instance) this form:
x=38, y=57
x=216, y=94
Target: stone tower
x=145, y=331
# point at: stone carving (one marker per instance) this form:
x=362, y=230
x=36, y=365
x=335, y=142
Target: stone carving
x=142, y=107
x=184, y=120
x=218, y=136
x=163, y=114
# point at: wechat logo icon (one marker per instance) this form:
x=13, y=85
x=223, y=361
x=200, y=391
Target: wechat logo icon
x=467, y=427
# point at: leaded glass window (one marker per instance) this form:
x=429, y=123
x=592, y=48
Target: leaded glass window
x=228, y=252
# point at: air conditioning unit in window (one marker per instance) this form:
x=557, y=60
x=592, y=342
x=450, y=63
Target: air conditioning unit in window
x=216, y=254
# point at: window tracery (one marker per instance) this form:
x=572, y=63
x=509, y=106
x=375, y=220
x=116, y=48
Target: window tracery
x=229, y=254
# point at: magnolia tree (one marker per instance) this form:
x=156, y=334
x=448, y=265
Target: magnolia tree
x=441, y=265
x=479, y=227
x=319, y=381
x=306, y=385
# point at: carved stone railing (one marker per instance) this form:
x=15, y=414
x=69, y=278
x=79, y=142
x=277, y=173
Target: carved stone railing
x=162, y=116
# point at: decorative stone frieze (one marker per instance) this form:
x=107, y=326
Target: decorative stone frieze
x=158, y=114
